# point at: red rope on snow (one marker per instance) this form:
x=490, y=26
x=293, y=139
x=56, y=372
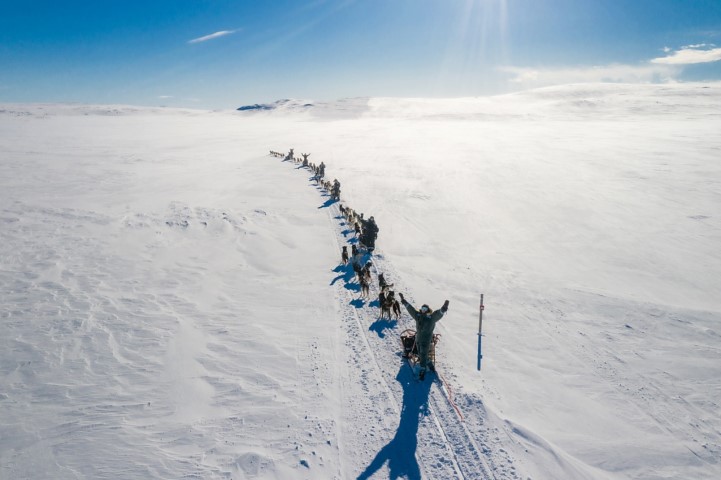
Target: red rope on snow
x=450, y=397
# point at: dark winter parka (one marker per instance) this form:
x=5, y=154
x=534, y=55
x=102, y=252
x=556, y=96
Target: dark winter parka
x=425, y=323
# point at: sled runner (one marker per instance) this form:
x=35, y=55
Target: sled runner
x=410, y=350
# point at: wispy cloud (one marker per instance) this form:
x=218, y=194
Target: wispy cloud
x=165, y=96
x=667, y=68
x=620, y=73
x=689, y=55
x=212, y=36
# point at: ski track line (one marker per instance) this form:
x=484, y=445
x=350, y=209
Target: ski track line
x=355, y=330
x=340, y=391
x=427, y=460
x=457, y=434
x=494, y=462
x=464, y=458
x=437, y=408
x=497, y=458
x=466, y=455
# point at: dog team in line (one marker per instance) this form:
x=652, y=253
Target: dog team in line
x=333, y=188
x=366, y=232
x=390, y=307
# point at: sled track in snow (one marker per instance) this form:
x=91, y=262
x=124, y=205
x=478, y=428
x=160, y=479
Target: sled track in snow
x=449, y=449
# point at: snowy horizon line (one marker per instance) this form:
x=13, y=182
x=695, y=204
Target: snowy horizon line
x=310, y=102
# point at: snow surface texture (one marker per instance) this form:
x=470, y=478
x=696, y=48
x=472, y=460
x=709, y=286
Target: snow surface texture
x=172, y=305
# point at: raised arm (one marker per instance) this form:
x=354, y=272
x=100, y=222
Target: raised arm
x=438, y=314
x=412, y=311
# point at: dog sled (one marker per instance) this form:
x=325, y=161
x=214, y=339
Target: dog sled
x=410, y=349
x=410, y=353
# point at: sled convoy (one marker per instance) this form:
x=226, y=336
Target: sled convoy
x=419, y=344
x=365, y=230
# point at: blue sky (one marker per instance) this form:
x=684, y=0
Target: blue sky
x=223, y=53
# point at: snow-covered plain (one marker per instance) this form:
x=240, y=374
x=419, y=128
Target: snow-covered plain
x=172, y=306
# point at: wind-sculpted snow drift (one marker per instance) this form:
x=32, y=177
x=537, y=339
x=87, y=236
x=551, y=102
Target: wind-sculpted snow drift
x=171, y=304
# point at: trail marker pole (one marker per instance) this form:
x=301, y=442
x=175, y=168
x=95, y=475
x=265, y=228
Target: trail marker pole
x=480, y=334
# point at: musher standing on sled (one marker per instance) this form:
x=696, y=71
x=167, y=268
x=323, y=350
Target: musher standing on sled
x=426, y=320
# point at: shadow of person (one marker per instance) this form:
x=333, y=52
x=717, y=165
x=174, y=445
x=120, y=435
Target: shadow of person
x=328, y=203
x=400, y=452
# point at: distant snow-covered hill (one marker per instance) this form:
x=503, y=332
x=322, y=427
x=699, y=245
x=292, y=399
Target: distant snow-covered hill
x=594, y=100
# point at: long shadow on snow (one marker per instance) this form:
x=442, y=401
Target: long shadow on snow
x=382, y=324
x=347, y=275
x=358, y=303
x=328, y=203
x=400, y=452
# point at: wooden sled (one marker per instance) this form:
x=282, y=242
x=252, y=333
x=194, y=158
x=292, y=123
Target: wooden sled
x=410, y=349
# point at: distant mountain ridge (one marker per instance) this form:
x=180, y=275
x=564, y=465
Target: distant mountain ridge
x=593, y=100
x=590, y=99
x=285, y=103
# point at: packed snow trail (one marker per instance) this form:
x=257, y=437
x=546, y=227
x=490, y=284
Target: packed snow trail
x=447, y=450
x=431, y=439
